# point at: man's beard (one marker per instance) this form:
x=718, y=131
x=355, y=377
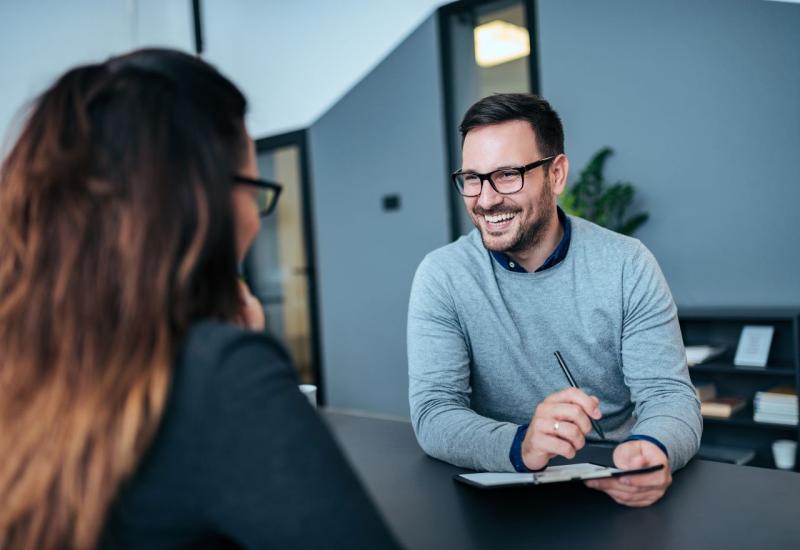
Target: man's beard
x=526, y=237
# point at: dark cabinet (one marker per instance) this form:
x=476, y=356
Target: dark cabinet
x=723, y=327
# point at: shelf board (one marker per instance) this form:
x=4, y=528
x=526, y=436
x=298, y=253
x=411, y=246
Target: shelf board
x=727, y=368
x=747, y=422
x=745, y=418
x=738, y=313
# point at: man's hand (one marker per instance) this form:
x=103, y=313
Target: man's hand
x=641, y=489
x=559, y=427
x=251, y=315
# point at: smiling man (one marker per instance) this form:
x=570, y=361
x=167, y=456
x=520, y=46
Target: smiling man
x=488, y=311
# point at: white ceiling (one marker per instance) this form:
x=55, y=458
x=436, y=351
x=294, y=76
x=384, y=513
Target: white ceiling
x=293, y=59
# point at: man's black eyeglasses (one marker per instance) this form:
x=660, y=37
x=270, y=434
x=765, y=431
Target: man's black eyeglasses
x=504, y=180
x=268, y=193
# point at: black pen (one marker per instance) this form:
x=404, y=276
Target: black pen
x=572, y=383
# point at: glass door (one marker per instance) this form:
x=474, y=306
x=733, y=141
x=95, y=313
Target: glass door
x=279, y=266
x=487, y=48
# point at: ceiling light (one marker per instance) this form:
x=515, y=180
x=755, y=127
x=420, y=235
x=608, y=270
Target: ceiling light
x=499, y=42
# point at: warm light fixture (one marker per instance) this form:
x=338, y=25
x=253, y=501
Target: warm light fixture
x=499, y=42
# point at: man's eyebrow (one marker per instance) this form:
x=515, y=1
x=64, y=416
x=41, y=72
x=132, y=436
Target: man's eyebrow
x=473, y=171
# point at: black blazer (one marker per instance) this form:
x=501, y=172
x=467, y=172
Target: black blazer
x=241, y=460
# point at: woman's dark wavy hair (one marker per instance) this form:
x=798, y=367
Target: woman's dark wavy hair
x=116, y=232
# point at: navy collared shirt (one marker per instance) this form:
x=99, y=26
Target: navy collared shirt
x=554, y=259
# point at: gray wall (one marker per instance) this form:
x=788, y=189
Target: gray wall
x=384, y=137
x=701, y=101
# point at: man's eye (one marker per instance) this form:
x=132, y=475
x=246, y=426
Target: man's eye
x=508, y=174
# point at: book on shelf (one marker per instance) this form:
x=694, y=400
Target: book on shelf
x=721, y=453
x=775, y=408
x=774, y=418
x=705, y=391
x=700, y=354
x=722, y=407
x=778, y=405
x=779, y=394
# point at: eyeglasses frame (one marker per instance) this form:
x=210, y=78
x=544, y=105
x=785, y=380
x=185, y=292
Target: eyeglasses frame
x=264, y=184
x=488, y=177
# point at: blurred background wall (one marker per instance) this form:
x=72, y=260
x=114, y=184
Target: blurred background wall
x=382, y=141
x=700, y=100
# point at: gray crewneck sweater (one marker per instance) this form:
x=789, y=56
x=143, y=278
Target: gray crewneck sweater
x=481, y=340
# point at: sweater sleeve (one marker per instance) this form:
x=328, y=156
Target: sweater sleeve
x=439, y=383
x=654, y=361
x=274, y=476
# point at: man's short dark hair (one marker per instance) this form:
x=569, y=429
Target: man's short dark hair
x=498, y=108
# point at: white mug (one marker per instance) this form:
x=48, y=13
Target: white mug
x=310, y=391
x=783, y=451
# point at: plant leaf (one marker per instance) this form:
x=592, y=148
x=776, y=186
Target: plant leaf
x=630, y=226
x=590, y=198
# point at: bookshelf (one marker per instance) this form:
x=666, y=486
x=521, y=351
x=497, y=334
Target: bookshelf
x=723, y=326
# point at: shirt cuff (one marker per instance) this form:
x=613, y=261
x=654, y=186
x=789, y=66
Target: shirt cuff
x=653, y=440
x=515, y=455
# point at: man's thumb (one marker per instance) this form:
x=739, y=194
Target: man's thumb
x=637, y=461
x=629, y=456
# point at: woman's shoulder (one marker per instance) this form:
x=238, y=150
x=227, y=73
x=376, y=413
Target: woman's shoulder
x=213, y=337
x=212, y=344
x=218, y=361
x=223, y=379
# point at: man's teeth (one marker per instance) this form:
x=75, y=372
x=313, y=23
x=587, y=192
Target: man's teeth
x=497, y=218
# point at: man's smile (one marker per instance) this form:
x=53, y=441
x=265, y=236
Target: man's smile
x=497, y=222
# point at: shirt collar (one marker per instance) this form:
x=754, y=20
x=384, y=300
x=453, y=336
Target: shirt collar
x=553, y=260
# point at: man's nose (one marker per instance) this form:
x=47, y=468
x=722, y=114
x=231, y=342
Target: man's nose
x=489, y=197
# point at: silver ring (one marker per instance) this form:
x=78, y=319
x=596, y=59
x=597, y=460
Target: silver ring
x=555, y=426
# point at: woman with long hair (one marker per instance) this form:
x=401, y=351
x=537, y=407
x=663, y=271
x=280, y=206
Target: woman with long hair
x=134, y=412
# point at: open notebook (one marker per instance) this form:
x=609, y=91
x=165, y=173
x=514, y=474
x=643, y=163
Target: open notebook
x=552, y=474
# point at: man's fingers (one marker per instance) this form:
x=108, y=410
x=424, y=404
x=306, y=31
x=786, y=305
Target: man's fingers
x=635, y=500
x=646, y=497
x=661, y=478
x=559, y=425
x=571, y=433
x=568, y=412
x=589, y=404
x=627, y=454
x=562, y=429
x=624, y=484
x=610, y=484
x=637, y=461
x=639, y=454
x=626, y=495
x=555, y=446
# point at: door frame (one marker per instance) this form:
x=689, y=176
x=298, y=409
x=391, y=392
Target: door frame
x=299, y=139
x=446, y=65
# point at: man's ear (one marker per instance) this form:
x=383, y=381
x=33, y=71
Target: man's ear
x=559, y=170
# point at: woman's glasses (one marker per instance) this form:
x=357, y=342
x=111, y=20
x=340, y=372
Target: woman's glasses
x=268, y=193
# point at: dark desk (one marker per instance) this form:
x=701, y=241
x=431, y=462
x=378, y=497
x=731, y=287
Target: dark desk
x=709, y=505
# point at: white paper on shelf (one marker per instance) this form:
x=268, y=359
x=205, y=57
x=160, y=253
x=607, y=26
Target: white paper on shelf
x=698, y=354
x=754, y=344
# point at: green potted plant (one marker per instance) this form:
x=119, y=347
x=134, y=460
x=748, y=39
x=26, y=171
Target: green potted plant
x=591, y=198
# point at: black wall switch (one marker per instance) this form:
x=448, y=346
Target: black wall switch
x=391, y=202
